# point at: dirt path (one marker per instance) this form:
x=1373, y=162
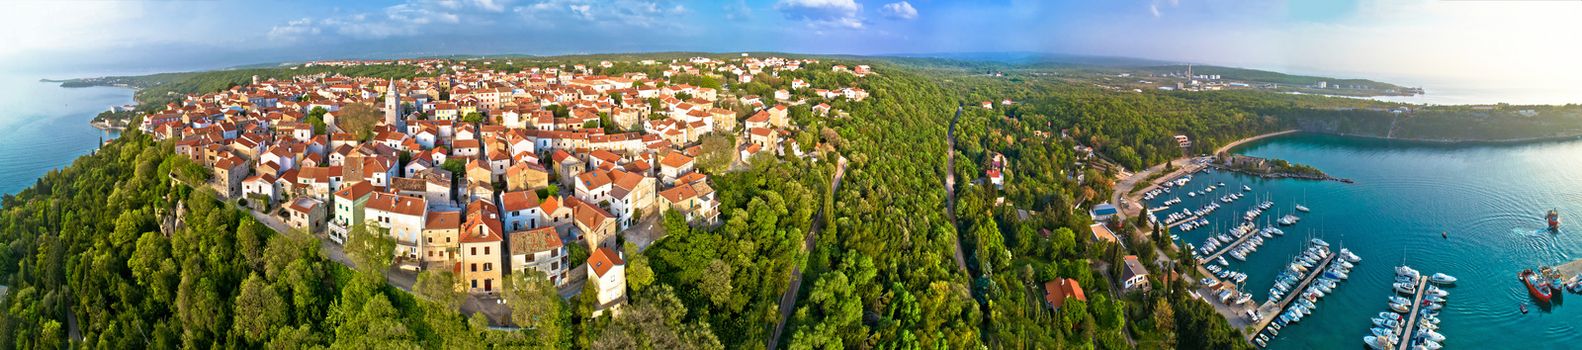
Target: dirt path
x=950, y=187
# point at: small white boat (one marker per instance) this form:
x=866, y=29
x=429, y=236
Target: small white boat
x=1441, y=278
x=1301, y=208
x=1431, y=345
x=1401, y=308
x=1384, y=322
x=1405, y=288
x=1404, y=270
x=1245, y=188
x=1382, y=332
x=1432, y=290
x=1377, y=343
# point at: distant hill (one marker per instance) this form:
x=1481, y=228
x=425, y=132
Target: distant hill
x=1264, y=76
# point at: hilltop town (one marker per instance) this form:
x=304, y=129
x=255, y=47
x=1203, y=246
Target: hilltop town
x=486, y=172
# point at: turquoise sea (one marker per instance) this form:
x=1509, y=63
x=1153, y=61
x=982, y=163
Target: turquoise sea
x=44, y=126
x=1488, y=198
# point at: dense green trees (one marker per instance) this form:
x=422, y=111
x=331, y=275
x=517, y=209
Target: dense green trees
x=734, y=274
x=142, y=261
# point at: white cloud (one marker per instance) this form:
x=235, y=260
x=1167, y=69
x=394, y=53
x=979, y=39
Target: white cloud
x=738, y=11
x=582, y=11
x=293, y=30
x=1154, y=10
x=900, y=10
x=823, y=13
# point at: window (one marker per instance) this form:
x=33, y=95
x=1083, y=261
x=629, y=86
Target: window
x=475, y=283
x=488, y=266
x=474, y=250
x=474, y=267
x=485, y=250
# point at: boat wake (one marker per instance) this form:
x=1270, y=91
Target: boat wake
x=1531, y=232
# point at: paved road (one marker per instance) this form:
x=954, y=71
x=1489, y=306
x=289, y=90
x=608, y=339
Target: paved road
x=1130, y=203
x=788, y=300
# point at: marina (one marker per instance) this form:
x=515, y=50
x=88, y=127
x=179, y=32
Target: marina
x=1495, y=217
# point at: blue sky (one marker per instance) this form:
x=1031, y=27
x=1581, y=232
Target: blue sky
x=1407, y=38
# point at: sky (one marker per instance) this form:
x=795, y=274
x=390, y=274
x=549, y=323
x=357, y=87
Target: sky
x=1510, y=42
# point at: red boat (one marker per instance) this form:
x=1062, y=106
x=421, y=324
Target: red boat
x=1554, y=220
x=1536, y=285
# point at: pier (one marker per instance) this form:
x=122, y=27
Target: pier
x=1173, y=224
x=1271, y=310
x=1411, y=318
x=1227, y=247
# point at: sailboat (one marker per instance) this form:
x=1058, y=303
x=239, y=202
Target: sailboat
x=1299, y=206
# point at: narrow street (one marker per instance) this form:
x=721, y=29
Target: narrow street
x=788, y=300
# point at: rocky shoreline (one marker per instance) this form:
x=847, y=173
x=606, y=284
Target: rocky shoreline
x=1281, y=175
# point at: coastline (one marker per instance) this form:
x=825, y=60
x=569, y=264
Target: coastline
x=1459, y=141
x=1233, y=144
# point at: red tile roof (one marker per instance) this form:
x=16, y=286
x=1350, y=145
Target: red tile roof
x=603, y=259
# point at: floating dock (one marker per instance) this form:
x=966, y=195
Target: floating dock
x=1173, y=224
x=1271, y=310
x=1227, y=247
x=1411, y=318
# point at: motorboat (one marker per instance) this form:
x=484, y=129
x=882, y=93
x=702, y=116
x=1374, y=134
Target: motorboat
x=1405, y=288
x=1431, y=335
x=1431, y=345
x=1401, y=308
x=1389, y=315
x=1432, y=290
x=1441, y=278
x=1382, y=332
x=1377, y=343
x=1301, y=208
x=1386, y=323
x=1404, y=270
x=1399, y=300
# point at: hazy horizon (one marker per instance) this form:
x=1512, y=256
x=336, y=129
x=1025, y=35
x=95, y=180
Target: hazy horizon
x=1461, y=45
